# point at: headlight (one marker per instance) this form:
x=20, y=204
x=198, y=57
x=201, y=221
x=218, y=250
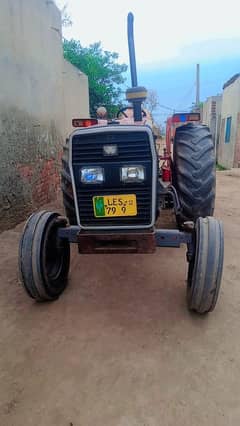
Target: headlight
x=132, y=174
x=92, y=175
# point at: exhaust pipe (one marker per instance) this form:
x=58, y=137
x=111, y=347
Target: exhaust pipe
x=136, y=94
x=131, y=50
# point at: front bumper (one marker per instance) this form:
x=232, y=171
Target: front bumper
x=125, y=242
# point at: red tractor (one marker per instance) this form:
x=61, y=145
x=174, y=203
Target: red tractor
x=188, y=164
x=175, y=121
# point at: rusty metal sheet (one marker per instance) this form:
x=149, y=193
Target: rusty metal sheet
x=137, y=242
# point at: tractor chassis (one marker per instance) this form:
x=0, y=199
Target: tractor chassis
x=44, y=254
x=126, y=242
x=92, y=242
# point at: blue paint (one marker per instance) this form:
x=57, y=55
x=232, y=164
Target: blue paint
x=228, y=130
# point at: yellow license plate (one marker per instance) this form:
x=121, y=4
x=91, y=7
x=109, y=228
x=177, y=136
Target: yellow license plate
x=115, y=205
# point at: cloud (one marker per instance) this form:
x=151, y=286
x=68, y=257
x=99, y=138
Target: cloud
x=207, y=51
x=175, y=81
x=161, y=28
x=211, y=50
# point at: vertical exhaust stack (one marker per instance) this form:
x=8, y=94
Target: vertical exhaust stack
x=136, y=94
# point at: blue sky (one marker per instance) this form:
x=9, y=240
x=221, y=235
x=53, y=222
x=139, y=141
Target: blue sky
x=171, y=37
x=176, y=84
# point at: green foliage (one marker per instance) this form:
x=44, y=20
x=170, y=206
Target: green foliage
x=220, y=168
x=105, y=75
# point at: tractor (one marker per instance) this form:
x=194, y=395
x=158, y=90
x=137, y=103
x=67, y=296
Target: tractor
x=177, y=120
x=113, y=194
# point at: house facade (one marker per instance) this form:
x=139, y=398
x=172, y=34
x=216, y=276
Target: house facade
x=211, y=116
x=229, y=141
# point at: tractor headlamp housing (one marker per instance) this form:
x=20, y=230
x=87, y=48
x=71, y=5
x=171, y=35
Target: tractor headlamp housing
x=92, y=175
x=132, y=174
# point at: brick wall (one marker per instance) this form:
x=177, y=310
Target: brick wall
x=33, y=185
x=29, y=165
x=43, y=178
x=40, y=94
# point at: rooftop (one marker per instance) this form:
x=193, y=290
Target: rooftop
x=231, y=80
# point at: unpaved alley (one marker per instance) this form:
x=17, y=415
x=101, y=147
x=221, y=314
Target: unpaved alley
x=119, y=348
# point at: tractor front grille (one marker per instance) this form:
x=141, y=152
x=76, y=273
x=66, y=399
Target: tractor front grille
x=133, y=148
x=143, y=203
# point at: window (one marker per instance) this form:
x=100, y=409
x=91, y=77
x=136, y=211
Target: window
x=228, y=130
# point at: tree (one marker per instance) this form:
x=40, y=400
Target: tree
x=105, y=75
x=66, y=19
x=152, y=101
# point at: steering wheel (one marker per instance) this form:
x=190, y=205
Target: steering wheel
x=122, y=111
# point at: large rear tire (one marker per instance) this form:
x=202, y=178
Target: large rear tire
x=205, y=269
x=43, y=260
x=194, y=174
x=67, y=190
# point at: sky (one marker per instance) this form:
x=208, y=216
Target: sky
x=170, y=38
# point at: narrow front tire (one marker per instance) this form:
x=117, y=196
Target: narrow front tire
x=43, y=259
x=205, y=268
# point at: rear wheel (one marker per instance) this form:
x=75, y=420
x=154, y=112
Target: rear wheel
x=194, y=172
x=205, y=269
x=43, y=259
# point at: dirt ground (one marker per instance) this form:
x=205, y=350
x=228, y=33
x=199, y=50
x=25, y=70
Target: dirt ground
x=119, y=348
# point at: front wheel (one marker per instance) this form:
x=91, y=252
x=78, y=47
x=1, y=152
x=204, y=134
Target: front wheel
x=43, y=259
x=205, y=268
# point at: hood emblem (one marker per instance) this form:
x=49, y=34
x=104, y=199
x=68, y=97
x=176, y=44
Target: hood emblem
x=110, y=150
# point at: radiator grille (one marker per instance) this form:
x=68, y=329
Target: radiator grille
x=131, y=147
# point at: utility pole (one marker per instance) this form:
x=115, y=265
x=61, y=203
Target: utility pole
x=198, y=86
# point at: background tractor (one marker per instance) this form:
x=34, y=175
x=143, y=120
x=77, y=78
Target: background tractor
x=189, y=158
x=113, y=195
x=177, y=120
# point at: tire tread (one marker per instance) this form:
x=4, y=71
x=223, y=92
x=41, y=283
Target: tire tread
x=194, y=171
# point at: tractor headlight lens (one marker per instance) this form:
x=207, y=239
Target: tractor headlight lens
x=132, y=174
x=92, y=175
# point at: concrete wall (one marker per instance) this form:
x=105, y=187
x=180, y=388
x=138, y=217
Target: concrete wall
x=230, y=108
x=236, y=161
x=76, y=99
x=39, y=95
x=211, y=116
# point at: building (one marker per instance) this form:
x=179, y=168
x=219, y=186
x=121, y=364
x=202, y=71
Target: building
x=211, y=116
x=40, y=94
x=229, y=145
